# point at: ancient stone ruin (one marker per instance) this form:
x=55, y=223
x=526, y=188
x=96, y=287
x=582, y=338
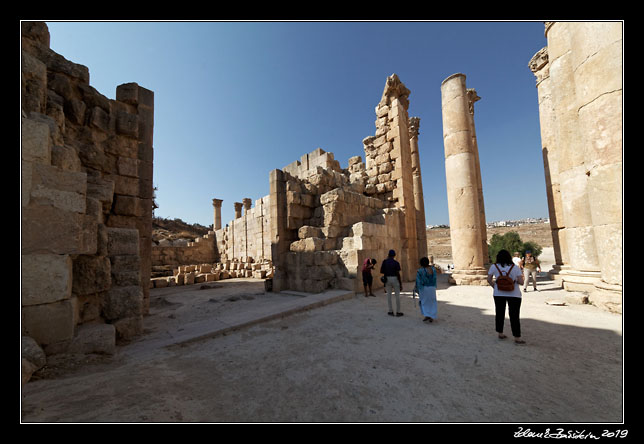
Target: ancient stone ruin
x=87, y=195
x=464, y=188
x=320, y=221
x=579, y=84
x=86, y=184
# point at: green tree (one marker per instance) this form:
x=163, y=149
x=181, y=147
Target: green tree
x=511, y=241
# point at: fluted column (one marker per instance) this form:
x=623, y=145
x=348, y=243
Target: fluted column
x=462, y=185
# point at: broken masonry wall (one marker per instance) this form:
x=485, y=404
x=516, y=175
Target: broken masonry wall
x=86, y=192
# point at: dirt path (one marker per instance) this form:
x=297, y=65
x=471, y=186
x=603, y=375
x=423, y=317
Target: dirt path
x=350, y=362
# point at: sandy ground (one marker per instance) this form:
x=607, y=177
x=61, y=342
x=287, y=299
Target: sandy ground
x=348, y=362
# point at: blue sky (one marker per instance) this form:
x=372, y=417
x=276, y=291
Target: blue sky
x=234, y=100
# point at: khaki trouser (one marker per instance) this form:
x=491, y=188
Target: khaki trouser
x=393, y=286
x=526, y=274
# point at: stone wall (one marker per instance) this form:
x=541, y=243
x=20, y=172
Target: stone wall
x=86, y=192
x=197, y=252
x=247, y=235
x=579, y=83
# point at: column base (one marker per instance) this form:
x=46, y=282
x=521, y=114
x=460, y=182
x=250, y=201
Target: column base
x=576, y=280
x=477, y=276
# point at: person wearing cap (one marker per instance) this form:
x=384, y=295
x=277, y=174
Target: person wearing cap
x=390, y=268
x=530, y=266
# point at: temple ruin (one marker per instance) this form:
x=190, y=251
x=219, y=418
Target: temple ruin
x=87, y=195
x=320, y=221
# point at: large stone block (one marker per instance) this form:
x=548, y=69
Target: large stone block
x=45, y=278
x=127, y=124
x=94, y=338
x=308, y=244
x=308, y=231
x=65, y=190
x=127, y=205
x=47, y=229
x=122, y=241
x=49, y=323
x=123, y=302
x=35, y=141
x=91, y=274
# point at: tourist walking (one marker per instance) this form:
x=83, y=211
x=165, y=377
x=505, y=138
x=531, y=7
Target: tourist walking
x=367, y=278
x=390, y=268
x=505, y=278
x=426, y=290
x=531, y=266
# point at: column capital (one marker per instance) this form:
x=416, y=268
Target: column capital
x=414, y=127
x=472, y=98
x=247, y=202
x=537, y=64
x=217, y=203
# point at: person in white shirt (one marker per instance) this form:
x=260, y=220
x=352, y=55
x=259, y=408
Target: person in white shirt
x=517, y=259
x=505, y=266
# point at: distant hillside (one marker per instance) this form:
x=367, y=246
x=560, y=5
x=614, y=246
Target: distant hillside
x=439, y=242
x=175, y=229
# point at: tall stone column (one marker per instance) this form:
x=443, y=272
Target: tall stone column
x=238, y=209
x=216, y=203
x=597, y=72
x=419, y=202
x=582, y=270
x=472, y=98
x=462, y=184
x=247, y=202
x=547, y=119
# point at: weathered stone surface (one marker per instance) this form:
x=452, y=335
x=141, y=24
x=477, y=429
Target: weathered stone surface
x=49, y=323
x=94, y=338
x=32, y=352
x=65, y=190
x=91, y=274
x=35, y=141
x=122, y=241
x=123, y=302
x=45, y=278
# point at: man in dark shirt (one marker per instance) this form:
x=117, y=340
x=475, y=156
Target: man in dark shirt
x=391, y=269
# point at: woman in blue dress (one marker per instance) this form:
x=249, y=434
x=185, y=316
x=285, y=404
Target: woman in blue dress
x=426, y=290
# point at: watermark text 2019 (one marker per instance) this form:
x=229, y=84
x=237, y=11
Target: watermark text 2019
x=569, y=434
